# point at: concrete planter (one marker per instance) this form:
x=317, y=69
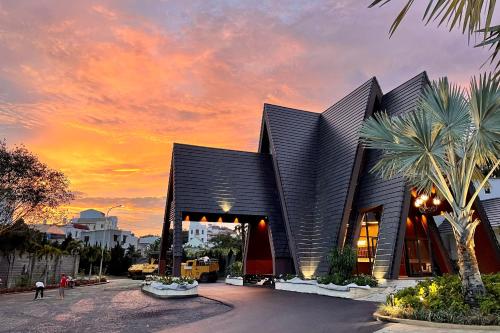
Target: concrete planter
x=235, y=281
x=297, y=285
x=159, y=290
x=351, y=291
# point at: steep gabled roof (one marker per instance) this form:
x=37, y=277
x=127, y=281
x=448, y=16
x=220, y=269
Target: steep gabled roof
x=293, y=137
x=338, y=165
x=314, y=158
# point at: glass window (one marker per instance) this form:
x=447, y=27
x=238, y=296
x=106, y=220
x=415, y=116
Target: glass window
x=367, y=240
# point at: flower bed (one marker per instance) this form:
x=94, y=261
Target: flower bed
x=441, y=300
x=170, y=287
x=234, y=280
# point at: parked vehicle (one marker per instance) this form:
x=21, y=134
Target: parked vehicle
x=202, y=269
x=139, y=271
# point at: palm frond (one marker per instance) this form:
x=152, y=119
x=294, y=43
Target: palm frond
x=484, y=104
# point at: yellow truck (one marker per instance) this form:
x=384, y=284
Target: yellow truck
x=139, y=271
x=202, y=269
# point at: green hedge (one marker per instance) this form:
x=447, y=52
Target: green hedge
x=441, y=300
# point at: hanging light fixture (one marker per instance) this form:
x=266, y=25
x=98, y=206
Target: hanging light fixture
x=423, y=206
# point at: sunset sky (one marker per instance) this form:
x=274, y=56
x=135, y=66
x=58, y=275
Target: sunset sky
x=101, y=89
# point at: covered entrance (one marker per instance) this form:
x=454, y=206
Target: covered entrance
x=257, y=252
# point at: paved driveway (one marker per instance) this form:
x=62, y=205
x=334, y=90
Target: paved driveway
x=119, y=306
x=258, y=309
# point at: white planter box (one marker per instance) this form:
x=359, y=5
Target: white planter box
x=170, y=293
x=297, y=285
x=235, y=281
x=312, y=287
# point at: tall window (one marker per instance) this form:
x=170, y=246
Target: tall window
x=367, y=240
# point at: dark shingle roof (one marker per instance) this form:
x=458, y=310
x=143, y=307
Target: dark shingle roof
x=314, y=157
x=206, y=178
x=492, y=209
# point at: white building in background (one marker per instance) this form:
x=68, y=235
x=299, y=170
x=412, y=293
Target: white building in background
x=145, y=242
x=201, y=233
x=93, y=228
x=197, y=234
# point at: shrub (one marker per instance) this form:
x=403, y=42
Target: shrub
x=172, y=279
x=342, y=262
x=363, y=280
x=442, y=300
x=235, y=269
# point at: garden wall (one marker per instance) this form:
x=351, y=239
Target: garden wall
x=26, y=269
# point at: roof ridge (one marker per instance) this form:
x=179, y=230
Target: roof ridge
x=422, y=75
x=177, y=144
x=289, y=108
x=369, y=81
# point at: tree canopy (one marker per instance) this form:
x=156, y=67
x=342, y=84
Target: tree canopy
x=29, y=189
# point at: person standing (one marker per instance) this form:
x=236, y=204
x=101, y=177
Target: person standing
x=63, y=283
x=39, y=286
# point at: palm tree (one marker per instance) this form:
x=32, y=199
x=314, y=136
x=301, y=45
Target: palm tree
x=470, y=16
x=48, y=252
x=74, y=248
x=446, y=143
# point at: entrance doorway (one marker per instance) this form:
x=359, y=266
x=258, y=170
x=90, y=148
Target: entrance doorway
x=256, y=252
x=367, y=240
x=259, y=257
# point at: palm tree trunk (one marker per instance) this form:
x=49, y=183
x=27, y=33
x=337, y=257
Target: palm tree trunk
x=470, y=275
x=46, y=270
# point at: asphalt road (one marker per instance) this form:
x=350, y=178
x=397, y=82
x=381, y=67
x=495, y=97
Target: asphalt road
x=257, y=309
x=119, y=306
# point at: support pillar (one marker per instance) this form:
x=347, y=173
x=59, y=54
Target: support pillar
x=176, y=266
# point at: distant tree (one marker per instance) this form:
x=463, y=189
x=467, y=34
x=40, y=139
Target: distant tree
x=153, y=249
x=20, y=239
x=117, y=263
x=225, y=247
x=133, y=254
x=89, y=256
x=29, y=189
x=48, y=252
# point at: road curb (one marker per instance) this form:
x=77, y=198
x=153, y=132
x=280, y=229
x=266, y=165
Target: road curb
x=379, y=317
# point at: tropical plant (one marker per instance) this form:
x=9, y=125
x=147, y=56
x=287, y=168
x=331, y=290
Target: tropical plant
x=445, y=144
x=75, y=248
x=441, y=299
x=153, y=249
x=235, y=269
x=47, y=252
x=467, y=15
x=342, y=262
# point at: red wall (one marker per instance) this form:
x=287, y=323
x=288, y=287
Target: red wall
x=259, y=258
x=486, y=254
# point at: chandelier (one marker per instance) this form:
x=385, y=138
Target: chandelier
x=425, y=205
